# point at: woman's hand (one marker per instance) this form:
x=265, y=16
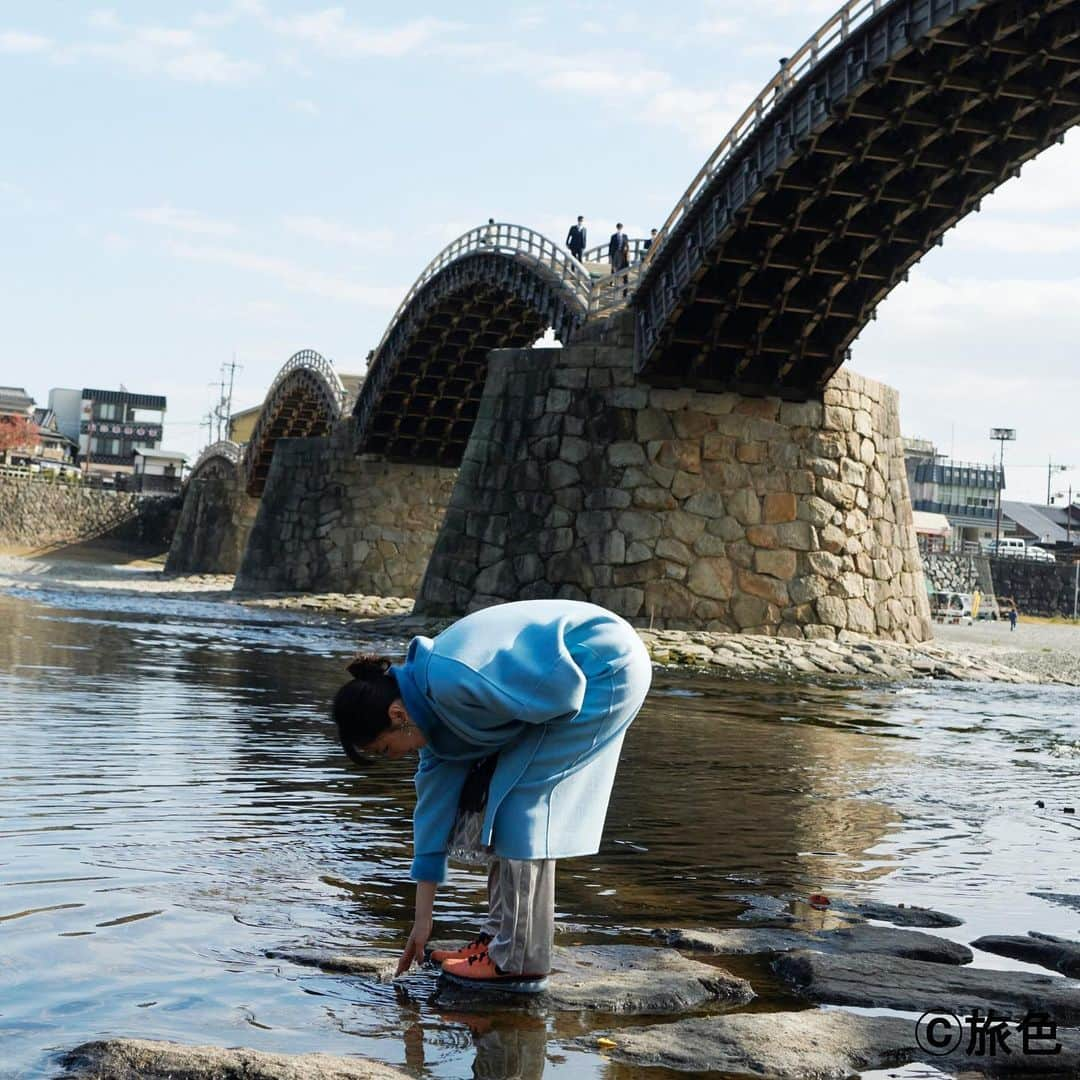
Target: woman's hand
x=421, y=931
x=414, y=947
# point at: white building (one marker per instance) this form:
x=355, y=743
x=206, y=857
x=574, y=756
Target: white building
x=158, y=470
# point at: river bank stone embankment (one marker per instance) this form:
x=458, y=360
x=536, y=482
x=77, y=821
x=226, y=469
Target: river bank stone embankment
x=985, y=652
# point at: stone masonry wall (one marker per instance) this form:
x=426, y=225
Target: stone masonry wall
x=330, y=521
x=214, y=526
x=949, y=572
x=682, y=509
x=1038, y=588
x=36, y=514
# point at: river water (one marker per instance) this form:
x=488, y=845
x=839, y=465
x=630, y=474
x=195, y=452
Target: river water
x=174, y=807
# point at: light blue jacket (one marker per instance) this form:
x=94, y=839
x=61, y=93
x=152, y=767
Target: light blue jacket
x=551, y=685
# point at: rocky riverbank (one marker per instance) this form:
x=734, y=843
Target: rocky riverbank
x=1053, y=656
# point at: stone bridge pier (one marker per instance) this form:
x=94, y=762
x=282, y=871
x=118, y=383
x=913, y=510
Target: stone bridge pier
x=679, y=508
x=215, y=521
x=331, y=520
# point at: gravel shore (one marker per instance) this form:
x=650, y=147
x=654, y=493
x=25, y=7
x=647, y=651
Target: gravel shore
x=1048, y=651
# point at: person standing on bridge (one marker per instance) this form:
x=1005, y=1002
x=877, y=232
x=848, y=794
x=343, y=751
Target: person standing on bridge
x=619, y=250
x=576, y=238
x=518, y=713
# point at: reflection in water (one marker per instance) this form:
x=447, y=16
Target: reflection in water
x=174, y=806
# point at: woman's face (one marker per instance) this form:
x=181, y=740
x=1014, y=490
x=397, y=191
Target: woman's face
x=399, y=740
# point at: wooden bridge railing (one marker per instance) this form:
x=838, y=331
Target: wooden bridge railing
x=636, y=250
x=518, y=241
x=224, y=448
x=310, y=360
x=834, y=32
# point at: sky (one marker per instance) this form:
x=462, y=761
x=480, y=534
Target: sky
x=182, y=184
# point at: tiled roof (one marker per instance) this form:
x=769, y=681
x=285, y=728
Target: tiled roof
x=1033, y=519
x=15, y=397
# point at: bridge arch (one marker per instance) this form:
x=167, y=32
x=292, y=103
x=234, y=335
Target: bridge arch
x=305, y=399
x=882, y=132
x=497, y=286
x=220, y=460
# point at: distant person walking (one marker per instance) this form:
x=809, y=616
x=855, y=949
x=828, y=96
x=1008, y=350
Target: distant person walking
x=647, y=247
x=490, y=233
x=619, y=250
x=576, y=238
x=1013, y=617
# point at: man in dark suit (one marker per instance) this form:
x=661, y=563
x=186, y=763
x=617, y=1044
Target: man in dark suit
x=618, y=250
x=575, y=238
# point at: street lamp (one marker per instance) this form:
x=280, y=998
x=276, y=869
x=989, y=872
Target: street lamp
x=1002, y=435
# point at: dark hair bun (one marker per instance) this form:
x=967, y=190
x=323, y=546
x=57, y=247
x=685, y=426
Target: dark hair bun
x=368, y=665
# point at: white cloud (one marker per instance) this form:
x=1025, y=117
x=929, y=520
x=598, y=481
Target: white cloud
x=1017, y=237
x=16, y=41
x=174, y=52
x=116, y=243
x=293, y=277
x=331, y=31
x=335, y=233
x=185, y=221
x=719, y=26
x=1046, y=185
x=210, y=66
x=104, y=19
x=305, y=107
x=609, y=82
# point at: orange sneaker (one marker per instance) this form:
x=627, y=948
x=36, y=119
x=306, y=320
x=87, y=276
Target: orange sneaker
x=478, y=944
x=479, y=970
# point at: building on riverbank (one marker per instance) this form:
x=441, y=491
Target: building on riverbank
x=964, y=492
x=118, y=433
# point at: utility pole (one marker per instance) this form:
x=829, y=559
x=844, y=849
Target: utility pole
x=1051, y=469
x=1002, y=435
x=233, y=368
x=223, y=409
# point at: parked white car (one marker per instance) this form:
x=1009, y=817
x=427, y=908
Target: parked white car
x=1008, y=546
x=1039, y=554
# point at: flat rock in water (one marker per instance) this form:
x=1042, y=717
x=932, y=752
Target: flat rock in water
x=781, y=1046
x=626, y=979
x=1055, y=953
x=865, y=980
x=1064, y=899
x=811, y=1045
x=861, y=938
x=629, y=979
x=761, y=907
x=140, y=1059
x=897, y=914
x=379, y=966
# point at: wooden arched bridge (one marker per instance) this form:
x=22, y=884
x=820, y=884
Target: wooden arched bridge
x=498, y=286
x=220, y=461
x=306, y=398
x=883, y=131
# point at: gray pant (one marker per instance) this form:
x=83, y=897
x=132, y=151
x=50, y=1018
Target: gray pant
x=521, y=914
